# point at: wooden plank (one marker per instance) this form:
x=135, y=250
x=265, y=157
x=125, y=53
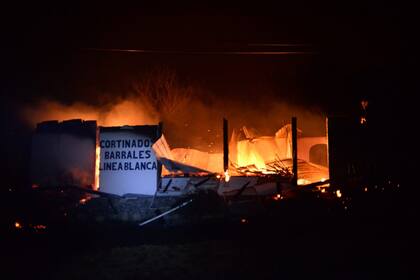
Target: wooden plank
x=225, y=145
x=294, y=150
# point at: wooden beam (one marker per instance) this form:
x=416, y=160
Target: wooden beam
x=294, y=151
x=225, y=146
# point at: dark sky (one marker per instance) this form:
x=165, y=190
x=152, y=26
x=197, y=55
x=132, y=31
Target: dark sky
x=355, y=53
x=357, y=48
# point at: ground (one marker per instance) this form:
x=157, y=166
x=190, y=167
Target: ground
x=373, y=238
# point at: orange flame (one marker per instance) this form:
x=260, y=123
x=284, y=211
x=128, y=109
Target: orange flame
x=227, y=176
x=97, y=161
x=247, y=155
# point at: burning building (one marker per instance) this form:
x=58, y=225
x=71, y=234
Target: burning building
x=138, y=160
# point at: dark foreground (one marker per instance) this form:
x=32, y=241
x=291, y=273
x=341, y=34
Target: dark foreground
x=365, y=235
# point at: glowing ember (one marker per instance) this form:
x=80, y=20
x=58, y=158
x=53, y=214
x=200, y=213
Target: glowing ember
x=84, y=200
x=338, y=193
x=97, y=159
x=227, y=176
x=40, y=226
x=363, y=120
x=323, y=190
x=277, y=197
x=303, y=182
x=364, y=104
x=18, y=225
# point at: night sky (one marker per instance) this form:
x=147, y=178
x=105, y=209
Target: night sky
x=350, y=54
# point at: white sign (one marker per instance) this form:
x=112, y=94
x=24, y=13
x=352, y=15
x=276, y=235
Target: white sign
x=127, y=163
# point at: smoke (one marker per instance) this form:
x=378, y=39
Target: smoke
x=200, y=126
x=192, y=115
x=130, y=111
x=157, y=95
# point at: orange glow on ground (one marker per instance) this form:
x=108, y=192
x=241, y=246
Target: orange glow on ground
x=39, y=227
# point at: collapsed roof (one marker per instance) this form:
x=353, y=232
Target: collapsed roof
x=247, y=153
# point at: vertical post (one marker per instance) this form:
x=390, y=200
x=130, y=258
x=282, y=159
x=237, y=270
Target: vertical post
x=159, y=133
x=97, y=158
x=294, y=151
x=225, y=145
x=328, y=146
x=160, y=130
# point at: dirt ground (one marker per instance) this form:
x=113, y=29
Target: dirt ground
x=375, y=239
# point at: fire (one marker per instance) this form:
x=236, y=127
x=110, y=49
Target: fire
x=301, y=182
x=364, y=104
x=247, y=155
x=277, y=197
x=83, y=200
x=39, y=227
x=256, y=155
x=338, y=193
x=97, y=162
x=363, y=120
x=18, y=225
x=227, y=176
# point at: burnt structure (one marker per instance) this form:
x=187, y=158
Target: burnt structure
x=80, y=153
x=63, y=153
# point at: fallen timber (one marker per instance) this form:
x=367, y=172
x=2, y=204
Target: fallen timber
x=183, y=200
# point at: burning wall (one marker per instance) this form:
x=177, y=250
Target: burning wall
x=247, y=152
x=68, y=153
